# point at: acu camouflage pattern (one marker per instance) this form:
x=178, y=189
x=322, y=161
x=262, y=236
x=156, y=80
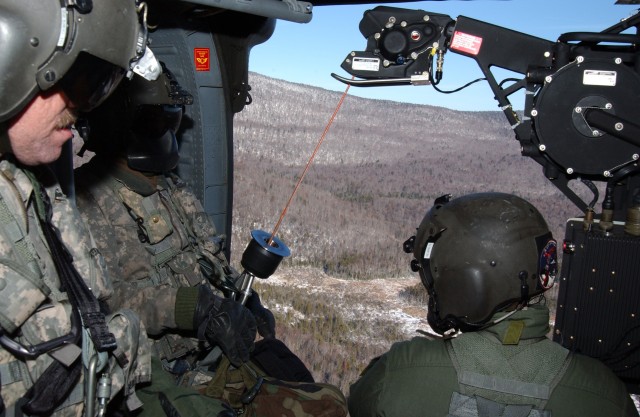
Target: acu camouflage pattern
x=114, y=200
x=32, y=307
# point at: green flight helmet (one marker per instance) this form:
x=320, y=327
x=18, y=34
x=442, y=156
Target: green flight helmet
x=479, y=254
x=139, y=122
x=83, y=46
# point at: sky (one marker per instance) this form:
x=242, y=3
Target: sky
x=308, y=53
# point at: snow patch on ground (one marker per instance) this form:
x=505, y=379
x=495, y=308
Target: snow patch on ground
x=372, y=299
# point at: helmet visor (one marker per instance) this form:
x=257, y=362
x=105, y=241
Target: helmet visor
x=153, y=121
x=89, y=81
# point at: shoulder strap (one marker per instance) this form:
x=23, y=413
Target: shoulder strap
x=538, y=393
x=79, y=294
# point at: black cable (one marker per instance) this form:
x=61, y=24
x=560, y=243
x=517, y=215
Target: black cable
x=515, y=80
x=594, y=190
x=434, y=83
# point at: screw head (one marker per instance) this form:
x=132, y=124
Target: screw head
x=50, y=76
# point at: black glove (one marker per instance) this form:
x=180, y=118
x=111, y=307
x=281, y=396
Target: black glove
x=264, y=317
x=225, y=323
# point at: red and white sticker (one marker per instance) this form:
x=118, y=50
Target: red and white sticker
x=466, y=43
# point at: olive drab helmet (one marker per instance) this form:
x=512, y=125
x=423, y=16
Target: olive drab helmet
x=479, y=254
x=139, y=122
x=83, y=46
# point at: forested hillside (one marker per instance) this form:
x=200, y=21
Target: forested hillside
x=378, y=171
x=347, y=293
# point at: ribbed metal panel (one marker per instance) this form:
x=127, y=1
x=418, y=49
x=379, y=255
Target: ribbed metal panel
x=598, y=311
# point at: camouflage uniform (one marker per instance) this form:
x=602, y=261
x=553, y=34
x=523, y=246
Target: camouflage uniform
x=34, y=309
x=155, y=235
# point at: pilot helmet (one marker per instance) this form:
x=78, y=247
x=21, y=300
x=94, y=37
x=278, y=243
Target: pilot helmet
x=139, y=121
x=85, y=47
x=480, y=254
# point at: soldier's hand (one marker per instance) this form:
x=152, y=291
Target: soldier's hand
x=225, y=323
x=265, y=320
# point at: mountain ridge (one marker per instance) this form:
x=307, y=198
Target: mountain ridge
x=382, y=163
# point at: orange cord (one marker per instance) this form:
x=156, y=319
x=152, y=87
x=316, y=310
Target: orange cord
x=306, y=168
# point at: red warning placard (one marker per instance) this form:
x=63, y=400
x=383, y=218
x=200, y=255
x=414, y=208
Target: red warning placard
x=201, y=59
x=466, y=43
